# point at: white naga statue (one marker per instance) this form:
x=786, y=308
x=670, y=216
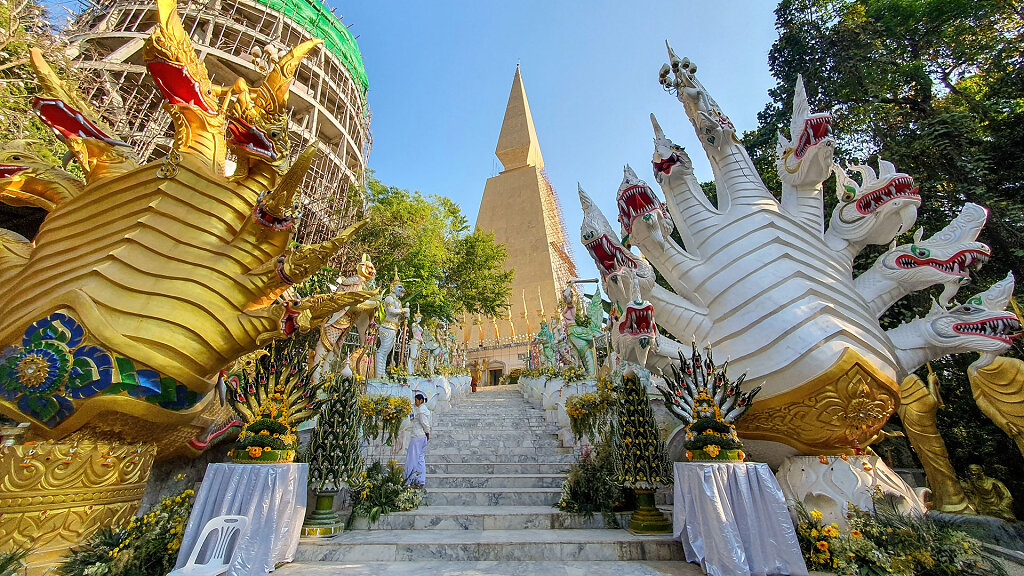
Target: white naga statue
x=415, y=341
x=394, y=312
x=767, y=285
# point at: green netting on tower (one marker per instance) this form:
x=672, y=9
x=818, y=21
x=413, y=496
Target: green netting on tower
x=316, y=19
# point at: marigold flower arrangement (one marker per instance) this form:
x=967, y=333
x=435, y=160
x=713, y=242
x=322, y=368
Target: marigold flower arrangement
x=398, y=375
x=573, y=374
x=273, y=391
x=887, y=541
x=146, y=545
x=589, y=413
x=383, y=415
x=265, y=441
x=382, y=491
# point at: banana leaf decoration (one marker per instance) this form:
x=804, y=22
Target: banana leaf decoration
x=277, y=384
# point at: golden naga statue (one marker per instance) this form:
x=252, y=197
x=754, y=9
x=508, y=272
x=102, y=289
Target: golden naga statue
x=998, y=387
x=147, y=279
x=988, y=496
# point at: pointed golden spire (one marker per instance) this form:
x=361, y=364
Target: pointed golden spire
x=517, y=143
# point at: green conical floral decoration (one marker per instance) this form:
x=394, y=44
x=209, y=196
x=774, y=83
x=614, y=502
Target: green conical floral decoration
x=641, y=460
x=334, y=456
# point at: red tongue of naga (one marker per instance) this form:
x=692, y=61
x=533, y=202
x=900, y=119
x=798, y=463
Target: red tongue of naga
x=665, y=166
x=10, y=170
x=178, y=86
x=607, y=260
x=68, y=121
x=243, y=134
x=820, y=130
x=638, y=201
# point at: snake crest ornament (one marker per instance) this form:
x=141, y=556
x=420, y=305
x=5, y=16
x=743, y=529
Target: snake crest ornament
x=763, y=282
x=257, y=119
x=145, y=281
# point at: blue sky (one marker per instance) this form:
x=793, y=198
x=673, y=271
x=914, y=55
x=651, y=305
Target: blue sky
x=440, y=74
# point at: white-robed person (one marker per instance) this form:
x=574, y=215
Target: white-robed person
x=419, y=434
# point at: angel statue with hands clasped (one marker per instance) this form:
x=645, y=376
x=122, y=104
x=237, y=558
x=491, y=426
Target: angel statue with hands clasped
x=394, y=312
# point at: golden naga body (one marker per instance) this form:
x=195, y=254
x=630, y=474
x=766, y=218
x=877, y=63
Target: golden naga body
x=919, y=402
x=998, y=389
x=26, y=179
x=146, y=281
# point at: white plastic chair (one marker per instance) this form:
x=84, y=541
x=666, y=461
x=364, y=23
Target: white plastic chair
x=224, y=529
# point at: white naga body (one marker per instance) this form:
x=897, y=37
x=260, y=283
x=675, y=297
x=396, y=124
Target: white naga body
x=769, y=287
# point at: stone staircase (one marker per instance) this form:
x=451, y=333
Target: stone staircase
x=494, y=471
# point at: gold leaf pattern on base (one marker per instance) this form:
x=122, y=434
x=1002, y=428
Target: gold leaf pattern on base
x=55, y=495
x=846, y=405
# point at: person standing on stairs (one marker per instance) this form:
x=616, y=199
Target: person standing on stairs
x=419, y=432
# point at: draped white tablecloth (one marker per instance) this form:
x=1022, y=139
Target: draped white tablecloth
x=272, y=496
x=732, y=519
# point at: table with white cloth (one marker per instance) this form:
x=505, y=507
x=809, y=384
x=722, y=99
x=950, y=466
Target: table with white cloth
x=272, y=496
x=732, y=518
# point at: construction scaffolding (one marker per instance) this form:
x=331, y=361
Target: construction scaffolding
x=561, y=250
x=327, y=100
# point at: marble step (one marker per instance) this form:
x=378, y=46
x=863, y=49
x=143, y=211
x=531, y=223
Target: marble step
x=490, y=432
x=438, y=441
x=493, y=568
x=496, y=405
x=481, y=416
x=462, y=411
x=484, y=449
x=481, y=518
x=488, y=424
x=441, y=424
x=495, y=545
x=491, y=496
x=520, y=430
x=498, y=468
x=497, y=480
x=464, y=435
x=450, y=456
x=470, y=433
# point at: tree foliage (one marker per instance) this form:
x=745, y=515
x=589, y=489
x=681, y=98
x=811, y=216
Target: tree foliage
x=25, y=24
x=936, y=87
x=448, y=270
